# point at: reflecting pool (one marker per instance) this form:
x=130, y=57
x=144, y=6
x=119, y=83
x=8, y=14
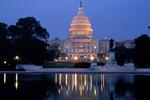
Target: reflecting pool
x=67, y=86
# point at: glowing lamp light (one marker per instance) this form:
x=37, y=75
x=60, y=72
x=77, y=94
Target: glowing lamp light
x=92, y=58
x=5, y=62
x=75, y=58
x=17, y=57
x=107, y=58
x=66, y=58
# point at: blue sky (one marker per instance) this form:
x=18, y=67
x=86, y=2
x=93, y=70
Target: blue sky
x=118, y=19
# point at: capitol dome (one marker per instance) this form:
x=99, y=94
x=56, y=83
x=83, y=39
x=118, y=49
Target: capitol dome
x=80, y=25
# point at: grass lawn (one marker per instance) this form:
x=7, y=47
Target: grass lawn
x=59, y=65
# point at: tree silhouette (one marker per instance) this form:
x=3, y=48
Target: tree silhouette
x=6, y=47
x=30, y=40
x=142, y=50
x=27, y=39
x=120, y=55
x=3, y=31
x=111, y=44
x=28, y=27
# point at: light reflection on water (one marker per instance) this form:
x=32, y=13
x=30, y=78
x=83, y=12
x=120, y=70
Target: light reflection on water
x=74, y=86
x=89, y=86
x=16, y=83
x=5, y=78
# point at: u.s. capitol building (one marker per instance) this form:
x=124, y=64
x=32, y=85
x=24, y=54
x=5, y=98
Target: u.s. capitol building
x=80, y=44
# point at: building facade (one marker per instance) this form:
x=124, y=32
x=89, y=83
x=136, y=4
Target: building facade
x=56, y=45
x=80, y=45
x=129, y=44
x=104, y=46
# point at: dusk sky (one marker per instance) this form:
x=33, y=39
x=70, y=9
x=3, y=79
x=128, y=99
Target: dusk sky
x=118, y=19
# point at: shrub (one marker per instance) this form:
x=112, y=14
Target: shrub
x=82, y=65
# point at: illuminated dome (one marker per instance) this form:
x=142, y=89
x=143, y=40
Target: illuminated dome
x=80, y=25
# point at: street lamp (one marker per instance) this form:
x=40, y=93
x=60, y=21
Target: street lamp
x=75, y=58
x=107, y=58
x=17, y=58
x=92, y=58
x=66, y=58
x=5, y=62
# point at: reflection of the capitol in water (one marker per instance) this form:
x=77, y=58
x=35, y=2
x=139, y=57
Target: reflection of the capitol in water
x=71, y=86
x=78, y=85
x=86, y=86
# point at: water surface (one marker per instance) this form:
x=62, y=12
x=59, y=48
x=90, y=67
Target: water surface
x=63, y=86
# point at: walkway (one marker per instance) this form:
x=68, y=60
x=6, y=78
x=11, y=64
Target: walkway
x=85, y=70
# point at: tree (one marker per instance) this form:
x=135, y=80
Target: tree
x=14, y=31
x=6, y=47
x=142, y=51
x=111, y=44
x=28, y=27
x=30, y=39
x=3, y=31
x=27, y=40
x=120, y=55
